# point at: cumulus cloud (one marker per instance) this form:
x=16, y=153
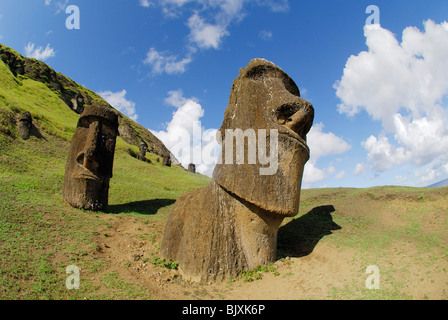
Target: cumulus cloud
x=405, y=86
x=360, y=169
x=208, y=22
x=205, y=35
x=118, y=101
x=322, y=144
x=163, y=62
x=39, y=53
x=145, y=3
x=265, y=35
x=186, y=138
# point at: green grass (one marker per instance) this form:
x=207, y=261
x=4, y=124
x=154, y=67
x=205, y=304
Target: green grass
x=39, y=235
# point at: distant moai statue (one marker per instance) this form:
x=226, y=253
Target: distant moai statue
x=143, y=149
x=192, y=168
x=166, y=160
x=25, y=125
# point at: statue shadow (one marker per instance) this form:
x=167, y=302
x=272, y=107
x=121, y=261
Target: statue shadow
x=146, y=207
x=34, y=131
x=299, y=237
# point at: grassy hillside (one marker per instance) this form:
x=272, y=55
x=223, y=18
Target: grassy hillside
x=39, y=235
x=323, y=252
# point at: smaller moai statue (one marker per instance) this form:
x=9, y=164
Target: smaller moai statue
x=25, y=125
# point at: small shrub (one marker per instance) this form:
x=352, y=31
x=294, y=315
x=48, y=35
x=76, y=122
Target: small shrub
x=159, y=262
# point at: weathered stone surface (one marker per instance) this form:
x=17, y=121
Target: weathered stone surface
x=217, y=231
x=90, y=159
x=143, y=148
x=166, y=160
x=25, y=125
x=192, y=168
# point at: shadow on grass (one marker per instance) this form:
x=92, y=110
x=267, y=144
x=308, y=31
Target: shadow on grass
x=299, y=237
x=141, y=207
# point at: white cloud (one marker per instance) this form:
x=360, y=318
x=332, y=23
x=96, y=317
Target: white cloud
x=47, y=2
x=205, y=35
x=162, y=62
x=209, y=22
x=340, y=175
x=405, y=86
x=39, y=53
x=322, y=144
x=118, y=101
x=360, y=169
x=275, y=5
x=265, y=34
x=185, y=137
x=61, y=6
x=145, y=3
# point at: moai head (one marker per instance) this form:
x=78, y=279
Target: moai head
x=90, y=159
x=25, y=124
x=266, y=111
x=166, y=160
x=143, y=148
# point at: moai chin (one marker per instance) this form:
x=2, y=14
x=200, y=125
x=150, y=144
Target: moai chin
x=231, y=225
x=90, y=159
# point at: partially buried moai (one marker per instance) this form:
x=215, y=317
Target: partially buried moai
x=90, y=159
x=25, y=125
x=143, y=148
x=231, y=225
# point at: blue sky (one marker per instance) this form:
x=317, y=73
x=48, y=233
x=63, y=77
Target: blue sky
x=380, y=92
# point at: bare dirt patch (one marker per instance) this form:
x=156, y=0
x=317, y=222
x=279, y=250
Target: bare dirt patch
x=326, y=259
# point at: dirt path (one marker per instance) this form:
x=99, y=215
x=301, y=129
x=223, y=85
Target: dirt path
x=128, y=246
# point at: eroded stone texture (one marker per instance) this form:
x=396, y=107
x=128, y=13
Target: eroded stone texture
x=25, y=125
x=143, y=148
x=166, y=160
x=192, y=168
x=231, y=225
x=90, y=159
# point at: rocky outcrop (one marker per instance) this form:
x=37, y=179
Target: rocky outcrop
x=216, y=232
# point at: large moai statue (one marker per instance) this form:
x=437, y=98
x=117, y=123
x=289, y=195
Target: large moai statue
x=90, y=159
x=231, y=225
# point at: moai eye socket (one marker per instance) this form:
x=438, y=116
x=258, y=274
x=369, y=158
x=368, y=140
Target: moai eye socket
x=297, y=116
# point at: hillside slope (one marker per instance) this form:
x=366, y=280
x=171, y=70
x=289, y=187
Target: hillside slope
x=443, y=183
x=73, y=95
